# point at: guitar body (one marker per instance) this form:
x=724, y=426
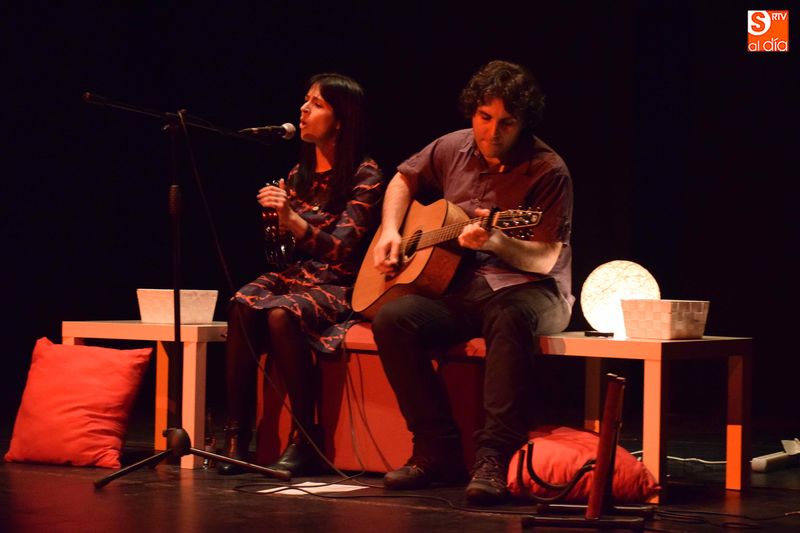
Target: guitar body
x=425, y=271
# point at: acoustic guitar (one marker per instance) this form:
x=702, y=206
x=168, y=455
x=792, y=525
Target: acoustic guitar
x=429, y=255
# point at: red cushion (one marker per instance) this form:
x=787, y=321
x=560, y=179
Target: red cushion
x=559, y=452
x=76, y=404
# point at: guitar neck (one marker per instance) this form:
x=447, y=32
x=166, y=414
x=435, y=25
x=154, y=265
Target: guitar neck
x=439, y=235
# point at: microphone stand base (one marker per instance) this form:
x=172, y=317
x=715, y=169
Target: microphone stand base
x=178, y=445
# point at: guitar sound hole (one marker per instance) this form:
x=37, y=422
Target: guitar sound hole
x=411, y=246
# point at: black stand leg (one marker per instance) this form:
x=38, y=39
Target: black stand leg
x=178, y=445
x=100, y=483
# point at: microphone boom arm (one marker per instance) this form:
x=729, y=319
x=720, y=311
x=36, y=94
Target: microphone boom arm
x=96, y=99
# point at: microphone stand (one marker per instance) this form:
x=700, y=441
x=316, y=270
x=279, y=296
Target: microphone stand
x=171, y=118
x=178, y=445
x=174, y=122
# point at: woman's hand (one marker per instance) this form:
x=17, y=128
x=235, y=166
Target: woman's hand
x=278, y=199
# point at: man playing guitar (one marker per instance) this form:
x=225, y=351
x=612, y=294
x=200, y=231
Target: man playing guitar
x=508, y=289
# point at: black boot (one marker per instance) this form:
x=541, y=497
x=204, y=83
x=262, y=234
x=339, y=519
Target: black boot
x=237, y=441
x=300, y=458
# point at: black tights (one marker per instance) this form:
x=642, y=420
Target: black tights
x=287, y=349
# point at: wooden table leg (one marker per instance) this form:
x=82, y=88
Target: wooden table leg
x=162, y=396
x=593, y=395
x=72, y=341
x=654, y=422
x=194, y=398
x=737, y=450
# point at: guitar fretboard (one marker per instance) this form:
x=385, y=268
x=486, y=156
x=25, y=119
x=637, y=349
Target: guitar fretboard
x=506, y=221
x=427, y=239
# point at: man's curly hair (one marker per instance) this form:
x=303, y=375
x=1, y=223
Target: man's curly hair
x=510, y=82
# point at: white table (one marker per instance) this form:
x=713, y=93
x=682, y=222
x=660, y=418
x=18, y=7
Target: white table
x=194, y=338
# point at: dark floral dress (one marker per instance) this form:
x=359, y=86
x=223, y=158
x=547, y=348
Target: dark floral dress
x=318, y=286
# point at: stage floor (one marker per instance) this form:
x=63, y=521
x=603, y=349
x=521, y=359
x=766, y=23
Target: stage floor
x=63, y=499
x=166, y=498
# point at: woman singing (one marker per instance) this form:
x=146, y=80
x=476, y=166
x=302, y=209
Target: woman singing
x=330, y=203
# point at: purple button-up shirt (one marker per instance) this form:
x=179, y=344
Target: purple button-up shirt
x=531, y=176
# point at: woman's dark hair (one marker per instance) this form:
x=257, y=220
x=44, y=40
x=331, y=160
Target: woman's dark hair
x=346, y=97
x=510, y=82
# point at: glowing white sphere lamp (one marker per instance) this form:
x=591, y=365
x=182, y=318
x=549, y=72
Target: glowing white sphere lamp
x=606, y=287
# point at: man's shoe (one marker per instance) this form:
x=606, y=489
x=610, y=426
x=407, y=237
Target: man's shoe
x=488, y=485
x=422, y=471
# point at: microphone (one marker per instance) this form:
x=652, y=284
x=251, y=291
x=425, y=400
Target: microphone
x=285, y=131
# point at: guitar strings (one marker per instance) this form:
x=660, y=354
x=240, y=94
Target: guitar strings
x=430, y=238
x=434, y=237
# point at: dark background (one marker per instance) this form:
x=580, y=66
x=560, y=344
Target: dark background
x=682, y=145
